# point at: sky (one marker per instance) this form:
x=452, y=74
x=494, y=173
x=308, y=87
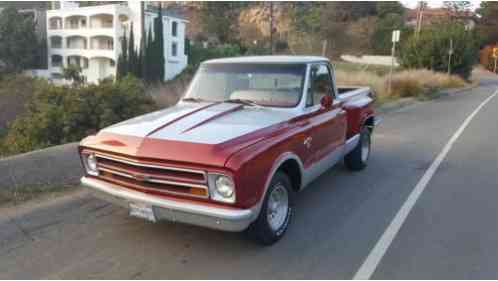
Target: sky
x=436, y=3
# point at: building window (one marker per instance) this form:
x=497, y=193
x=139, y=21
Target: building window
x=174, y=28
x=174, y=49
x=56, y=61
x=56, y=42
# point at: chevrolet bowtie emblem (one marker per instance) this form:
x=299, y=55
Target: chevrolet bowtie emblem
x=142, y=178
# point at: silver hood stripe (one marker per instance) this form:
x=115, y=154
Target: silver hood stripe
x=203, y=123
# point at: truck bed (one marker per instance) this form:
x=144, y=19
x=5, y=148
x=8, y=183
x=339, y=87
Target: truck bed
x=347, y=90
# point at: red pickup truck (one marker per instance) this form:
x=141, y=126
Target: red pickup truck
x=250, y=133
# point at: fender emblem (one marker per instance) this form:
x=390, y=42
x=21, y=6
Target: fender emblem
x=307, y=142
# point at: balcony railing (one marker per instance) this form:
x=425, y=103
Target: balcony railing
x=55, y=26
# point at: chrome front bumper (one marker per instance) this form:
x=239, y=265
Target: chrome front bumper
x=171, y=210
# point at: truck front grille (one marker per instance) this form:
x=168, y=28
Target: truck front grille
x=152, y=177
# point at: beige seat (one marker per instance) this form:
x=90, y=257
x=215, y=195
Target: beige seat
x=281, y=97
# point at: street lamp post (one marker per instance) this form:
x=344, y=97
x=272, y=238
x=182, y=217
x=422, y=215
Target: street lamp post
x=450, y=54
x=271, y=27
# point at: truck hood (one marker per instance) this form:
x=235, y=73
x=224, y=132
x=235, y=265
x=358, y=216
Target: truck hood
x=201, y=133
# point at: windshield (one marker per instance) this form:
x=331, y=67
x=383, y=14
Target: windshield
x=262, y=84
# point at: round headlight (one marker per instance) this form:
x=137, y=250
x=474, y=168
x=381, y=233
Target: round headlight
x=224, y=186
x=91, y=164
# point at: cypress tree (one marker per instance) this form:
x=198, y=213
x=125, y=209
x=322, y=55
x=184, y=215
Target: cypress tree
x=149, y=58
x=119, y=71
x=159, y=38
x=122, y=67
x=132, y=56
x=140, y=61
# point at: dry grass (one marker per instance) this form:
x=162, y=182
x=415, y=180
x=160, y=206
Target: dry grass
x=362, y=78
x=407, y=83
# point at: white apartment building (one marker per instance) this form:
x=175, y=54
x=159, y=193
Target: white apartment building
x=91, y=38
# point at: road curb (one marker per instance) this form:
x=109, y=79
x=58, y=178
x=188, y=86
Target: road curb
x=40, y=169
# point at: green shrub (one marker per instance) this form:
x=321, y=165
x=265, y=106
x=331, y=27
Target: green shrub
x=259, y=49
x=15, y=91
x=281, y=46
x=198, y=53
x=57, y=115
x=430, y=50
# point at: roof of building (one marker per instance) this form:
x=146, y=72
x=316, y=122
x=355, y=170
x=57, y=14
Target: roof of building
x=43, y=5
x=430, y=13
x=270, y=59
x=168, y=11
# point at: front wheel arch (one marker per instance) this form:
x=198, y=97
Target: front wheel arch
x=292, y=169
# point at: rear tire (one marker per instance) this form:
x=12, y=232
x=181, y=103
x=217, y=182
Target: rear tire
x=276, y=211
x=357, y=159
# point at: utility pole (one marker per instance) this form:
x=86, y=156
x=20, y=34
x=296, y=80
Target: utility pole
x=271, y=27
x=450, y=54
x=420, y=17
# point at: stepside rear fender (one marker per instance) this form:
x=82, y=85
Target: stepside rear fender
x=359, y=108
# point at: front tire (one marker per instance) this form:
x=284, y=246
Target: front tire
x=276, y=211
x=357, y=159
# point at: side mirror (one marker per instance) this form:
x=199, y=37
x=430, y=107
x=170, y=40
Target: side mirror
x=326, y=101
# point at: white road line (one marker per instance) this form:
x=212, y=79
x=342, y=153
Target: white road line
x=373, y=259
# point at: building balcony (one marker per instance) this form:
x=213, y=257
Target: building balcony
x=87, y=53
x=102, y=42
x=98, y=20
x=76, y=42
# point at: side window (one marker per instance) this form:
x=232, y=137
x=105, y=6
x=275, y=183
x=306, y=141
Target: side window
x=174, y=49
x=320, y=84
x=174, y=29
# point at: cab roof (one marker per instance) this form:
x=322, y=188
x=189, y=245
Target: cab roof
x=270, y=59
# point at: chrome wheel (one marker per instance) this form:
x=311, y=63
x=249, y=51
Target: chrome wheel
x=365, y=148
x=278, y=207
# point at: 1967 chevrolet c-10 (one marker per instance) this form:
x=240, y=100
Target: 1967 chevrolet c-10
x=249, y=134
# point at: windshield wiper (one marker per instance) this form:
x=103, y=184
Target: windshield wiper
x=193, y=99
x=244, y=102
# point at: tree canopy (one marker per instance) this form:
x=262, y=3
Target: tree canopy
x=19, y=44
x=430, y=49
x=488, y=23
x=221, y=18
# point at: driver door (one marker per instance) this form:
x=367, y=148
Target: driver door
x=328, y=124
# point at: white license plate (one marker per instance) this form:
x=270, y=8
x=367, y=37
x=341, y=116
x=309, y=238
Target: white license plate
x=142, y=211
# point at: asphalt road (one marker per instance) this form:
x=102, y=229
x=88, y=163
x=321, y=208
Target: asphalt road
x=451, y=232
